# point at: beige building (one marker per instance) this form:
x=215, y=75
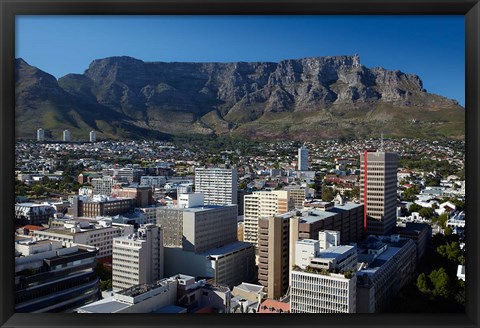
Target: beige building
x=273, y=253
x=86, y=232
x=138, y=258
x=263, y=204
x=378, y=191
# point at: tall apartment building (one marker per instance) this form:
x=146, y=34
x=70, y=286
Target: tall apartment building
x=298, y=195
x=40, y=134
x=378, y=191
x=219, y=186
x=273, y=252
x=93, y=136
x=263, y=204
x=52, y=278
x=303, y=158
x=103, y=185
x=138, y=258
x=323, y=281
x=66, y=135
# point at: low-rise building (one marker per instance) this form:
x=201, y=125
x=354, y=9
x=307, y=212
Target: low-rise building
x=53, y=278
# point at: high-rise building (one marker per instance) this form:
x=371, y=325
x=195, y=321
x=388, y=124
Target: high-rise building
x=40, y=135
x=303, y=158
x=378, y=191
x=66, y=135
x=218, y=185
x=263, y=204
x=273, y=251
x=323, y=281
x=138, y=258
x=93, y=136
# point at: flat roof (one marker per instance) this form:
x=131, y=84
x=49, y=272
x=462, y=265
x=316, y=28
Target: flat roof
x=170, y=309
x=106, y=305
x=230, y=248
x=335, y=251
x=318, y=215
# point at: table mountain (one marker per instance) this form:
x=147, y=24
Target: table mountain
x=308, y=98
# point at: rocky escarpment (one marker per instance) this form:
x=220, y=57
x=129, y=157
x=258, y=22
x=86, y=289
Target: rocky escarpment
x=235, y=97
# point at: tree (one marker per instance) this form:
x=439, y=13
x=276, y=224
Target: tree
x=426, y=212
x=415, y=208
x=442, y=220
x=448, y=231
x=440, y=282
x=327, y=194
x=422, y=283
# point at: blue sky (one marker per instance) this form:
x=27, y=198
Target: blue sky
x=432, y=47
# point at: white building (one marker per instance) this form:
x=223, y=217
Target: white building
x=263, y=204
x=219, y=186
x=103, y=185
x=40, y=134
x=191, y=199
x=303, y=158
x=93, y=136
x=138, y=258
x=325, y=282
x=86, y=232
x=66, y=135
x=153, y=181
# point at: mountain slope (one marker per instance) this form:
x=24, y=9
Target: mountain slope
x=300, y=99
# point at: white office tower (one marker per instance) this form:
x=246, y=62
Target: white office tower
x=263, y=204
x=40, y=134
x=93, y=136
x=378, y=191
x=138, y=258
x=328, y=238
x=303, y=158
x=66, y=135
x=219, y=186
x=323, y=281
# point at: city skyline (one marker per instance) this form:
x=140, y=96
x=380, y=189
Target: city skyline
x=432, y=47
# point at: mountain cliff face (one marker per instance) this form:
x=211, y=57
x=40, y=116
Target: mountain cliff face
x=299, y=99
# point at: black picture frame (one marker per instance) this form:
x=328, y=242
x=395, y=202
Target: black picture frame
x=10, y=8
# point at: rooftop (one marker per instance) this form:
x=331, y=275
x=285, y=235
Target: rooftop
x=229, y=248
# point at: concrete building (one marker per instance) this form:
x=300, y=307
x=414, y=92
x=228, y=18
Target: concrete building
x=263, y=204
x=218, y=185
x=138, y=258
x=298, y=195
x=127, y=174
x=307, y=224
x=52, y=278
x=378, y=191
x=201, y=241
x=303, y=158
x=420, y=233
x=163, y=296
x=246, y=298
x=32, y=213
x=95, y=233
x=153, y=181
x=66, y=136
x=102, y=185
x=388, y=264
x=93, y=136
x=325, y=282
x=40, y=135
x=273, y=253
x=199, y=228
